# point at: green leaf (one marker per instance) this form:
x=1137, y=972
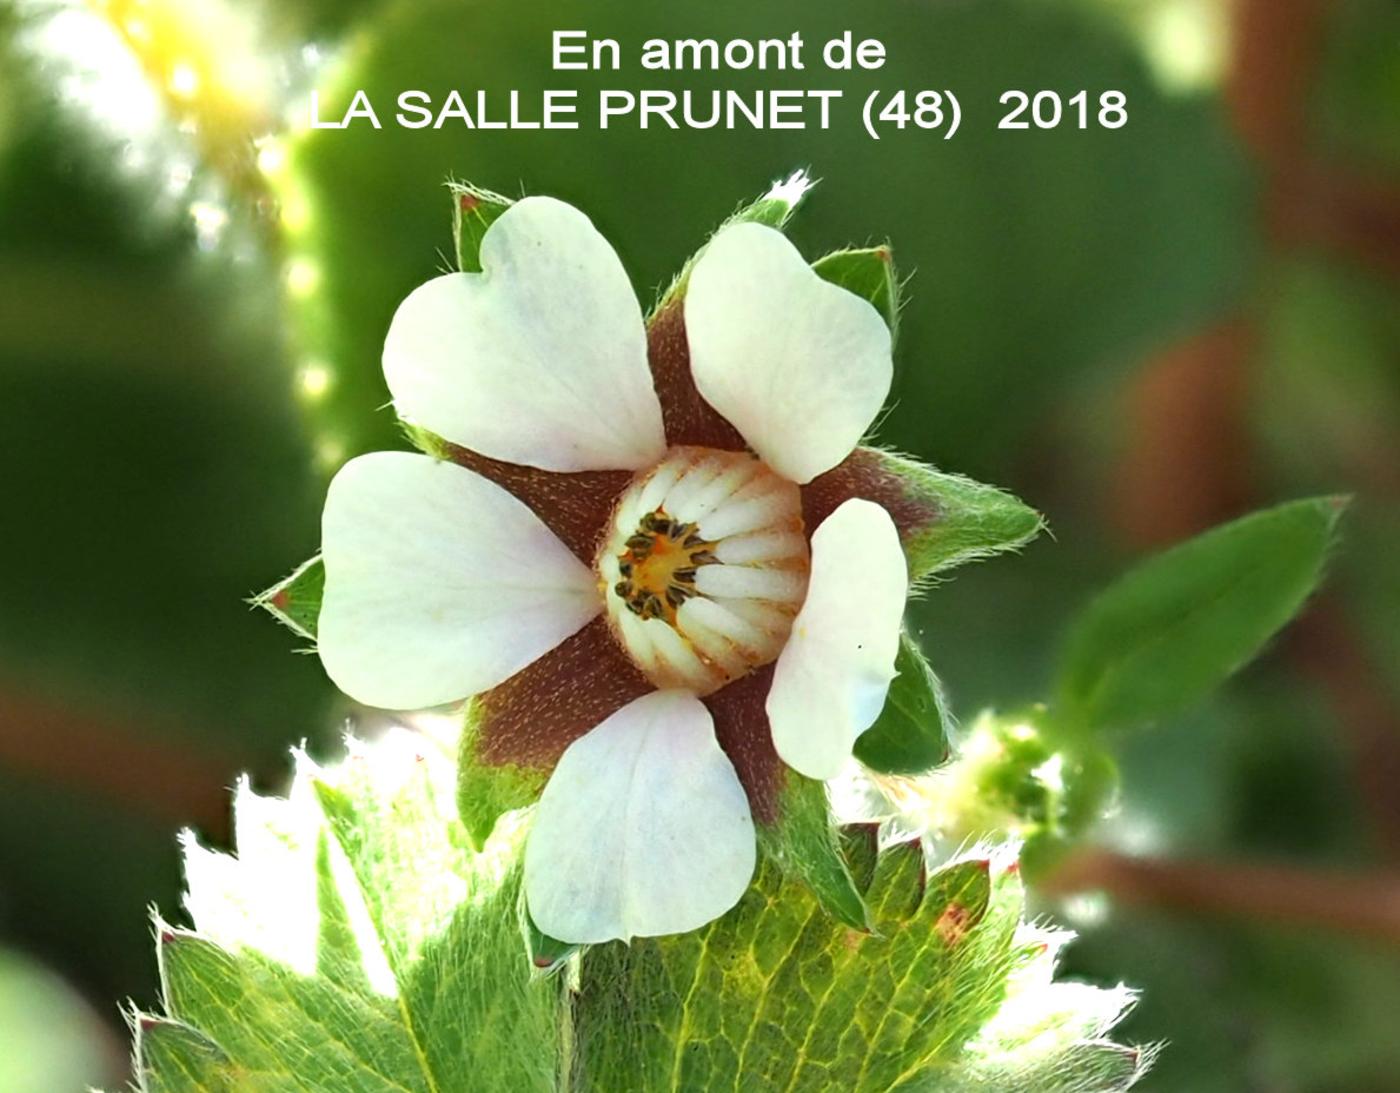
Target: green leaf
x=174, y=1058
x=1177, y=626
x=338, y=954
x=776, y=995
x=1087, y=1066
x=1050, y=1037
x=909, y=736
x=286, y=1025
x=473, y=211
x=447, y=921
x=870, y=274
x=357, y=943
x=296, y=601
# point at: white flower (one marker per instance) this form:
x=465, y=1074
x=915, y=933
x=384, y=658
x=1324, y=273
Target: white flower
x=636, y=555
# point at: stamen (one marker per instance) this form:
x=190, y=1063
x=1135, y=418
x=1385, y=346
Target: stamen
x=659, y=565
x=706, y=567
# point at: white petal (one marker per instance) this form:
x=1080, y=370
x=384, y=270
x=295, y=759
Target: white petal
x=799, y=366
x=439, y=583
x=830, y=680
x=540, y=359
x=642, y=830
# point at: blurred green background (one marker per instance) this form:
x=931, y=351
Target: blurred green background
x=1142, y=332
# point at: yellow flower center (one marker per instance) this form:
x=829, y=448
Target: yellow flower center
x=660, y=564
x=704, y=567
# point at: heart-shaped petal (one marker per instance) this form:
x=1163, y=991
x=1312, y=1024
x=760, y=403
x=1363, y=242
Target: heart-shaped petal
x=439, y=583
x=798, y=365
x=540, y=359
x=642, y=830
x=830, y=681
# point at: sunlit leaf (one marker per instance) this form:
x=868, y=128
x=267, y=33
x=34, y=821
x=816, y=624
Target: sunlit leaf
x=358, y=943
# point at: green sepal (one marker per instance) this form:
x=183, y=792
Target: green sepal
x=295, y=602
x=910, y=735
x=860, y=846
x=1175, y=627
x=174, y=1058
x=954, y=519
x=870, y=274
x=426, y=441
x=486, y=791
x=773, y=209
x=803, y=842
x=547, y=954
x=474, y=210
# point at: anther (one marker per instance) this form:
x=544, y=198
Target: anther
x=651, y=563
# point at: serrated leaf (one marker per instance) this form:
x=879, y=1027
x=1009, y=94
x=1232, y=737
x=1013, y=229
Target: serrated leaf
x=860, y=847
x=447, y=921
x=1049, y=1036
x=174, y=1058
x=1084, y=1067
x=474, y=210
x=274, y=1024
x=338, y=954
x=359, y=945
x=870, y=274
x=909, y=736
x=295, y=602
x=778, y=996
x=1177, y=626
x=357, y=942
